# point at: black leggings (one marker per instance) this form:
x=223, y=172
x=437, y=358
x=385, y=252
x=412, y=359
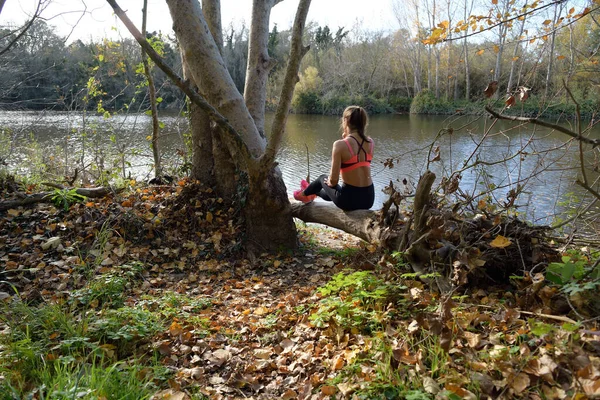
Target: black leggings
x=346, y=197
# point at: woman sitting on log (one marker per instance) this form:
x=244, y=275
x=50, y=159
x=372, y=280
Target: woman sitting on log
x=352, y=157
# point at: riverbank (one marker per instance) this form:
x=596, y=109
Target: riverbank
x=423, y=104
x=427, y=104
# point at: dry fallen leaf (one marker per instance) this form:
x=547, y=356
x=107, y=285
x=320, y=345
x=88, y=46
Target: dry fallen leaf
x=328, y=390
x=289, y=395
x=473, y=339
x=264, y=354
x=430, y=385
x=519, y=382
x=500, y=242
x=170, y=394
x=261, y=310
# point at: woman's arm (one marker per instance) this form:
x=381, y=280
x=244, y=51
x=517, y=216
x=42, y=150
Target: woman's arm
x=336, y=163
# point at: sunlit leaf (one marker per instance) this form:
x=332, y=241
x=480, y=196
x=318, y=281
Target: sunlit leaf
x=500, y=242
x=480, y=52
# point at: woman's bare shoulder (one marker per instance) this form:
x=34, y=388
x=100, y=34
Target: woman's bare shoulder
x=341, y=143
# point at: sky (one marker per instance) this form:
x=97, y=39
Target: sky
x=98, y=21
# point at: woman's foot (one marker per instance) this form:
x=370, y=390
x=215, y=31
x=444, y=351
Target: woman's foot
x=299, y=194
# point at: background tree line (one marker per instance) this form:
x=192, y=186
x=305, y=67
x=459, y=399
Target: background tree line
x=385, y=72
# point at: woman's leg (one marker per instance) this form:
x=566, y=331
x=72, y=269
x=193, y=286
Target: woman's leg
x=321, y=189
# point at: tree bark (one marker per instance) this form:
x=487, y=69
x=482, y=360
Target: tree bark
x=466, y=51
x=202, y=139
x=360, y=223
x=212, y=13
x=204, y=152
x=269, y=222
x=210, y=73
x=502, y=31
x=267, y=194
x=259, y=62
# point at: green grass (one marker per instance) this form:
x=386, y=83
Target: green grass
x=90, y=347
x=57, y=351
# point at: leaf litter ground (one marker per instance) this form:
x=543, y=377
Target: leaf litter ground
x=329, y=321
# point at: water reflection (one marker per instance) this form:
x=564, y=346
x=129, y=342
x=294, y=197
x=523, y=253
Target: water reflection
x=404, y=139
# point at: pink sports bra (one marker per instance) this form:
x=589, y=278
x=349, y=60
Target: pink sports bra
x=353, y=162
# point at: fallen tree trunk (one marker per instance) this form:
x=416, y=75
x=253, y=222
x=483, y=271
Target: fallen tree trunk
x=46, y=197
x=411, y=238
x=360, y=223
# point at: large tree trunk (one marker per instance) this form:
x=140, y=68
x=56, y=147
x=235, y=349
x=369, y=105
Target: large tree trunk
x=269, y=222
x=207, y=68
x=202, y=142
x=267, y=211
x=259, y=62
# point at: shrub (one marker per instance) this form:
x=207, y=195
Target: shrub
x=307, y=103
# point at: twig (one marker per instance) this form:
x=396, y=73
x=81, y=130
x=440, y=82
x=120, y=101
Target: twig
x=535, y=121
x=307, y=164
x=576, y=216
x=578, y=120
x=573, y=308
x=548, y=316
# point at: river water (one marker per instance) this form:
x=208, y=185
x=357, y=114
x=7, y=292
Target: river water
x=548, y=170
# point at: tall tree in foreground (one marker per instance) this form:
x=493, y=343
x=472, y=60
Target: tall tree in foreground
x=267, y=210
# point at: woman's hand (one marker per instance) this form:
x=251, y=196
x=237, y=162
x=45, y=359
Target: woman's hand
x=328, y=183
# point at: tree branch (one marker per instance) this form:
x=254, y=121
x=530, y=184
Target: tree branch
x=297, y=51
x=25, y=27
x=535, y=121
x=517, y=16
x=231, y=135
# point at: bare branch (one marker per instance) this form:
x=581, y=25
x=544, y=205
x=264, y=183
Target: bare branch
x=234, y=137
x=535, y=121
x=588, y=188
x=40, y=7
